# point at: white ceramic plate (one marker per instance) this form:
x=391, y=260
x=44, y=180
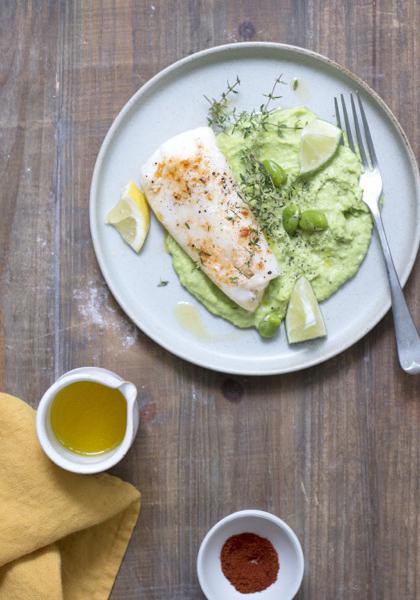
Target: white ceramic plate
x=172, y=102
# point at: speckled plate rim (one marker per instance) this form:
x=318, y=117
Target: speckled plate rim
x=143, y=91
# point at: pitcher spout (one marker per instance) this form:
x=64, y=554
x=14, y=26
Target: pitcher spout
x=129, y=391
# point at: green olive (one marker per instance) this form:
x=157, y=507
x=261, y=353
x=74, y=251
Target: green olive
x=269, y=325
x=277, y=173
x=290, y=218
x=313, y=220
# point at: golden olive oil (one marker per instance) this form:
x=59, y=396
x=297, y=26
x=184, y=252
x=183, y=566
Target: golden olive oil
x=189, y=317
x=88, y=417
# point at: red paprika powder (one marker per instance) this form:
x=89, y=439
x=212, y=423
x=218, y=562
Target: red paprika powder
x=249, y=562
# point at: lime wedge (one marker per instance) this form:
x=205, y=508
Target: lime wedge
x=319, y=142
x=131, y=216
x=304, y=319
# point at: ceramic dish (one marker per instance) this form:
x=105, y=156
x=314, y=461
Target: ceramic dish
x=212, y=580
x=172, y=102
x=85, y=463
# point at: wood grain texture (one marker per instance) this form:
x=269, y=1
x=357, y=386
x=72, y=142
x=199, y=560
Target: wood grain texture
x=333, y=450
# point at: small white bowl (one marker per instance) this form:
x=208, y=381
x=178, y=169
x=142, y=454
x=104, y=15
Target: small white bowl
x=210, y=575
x=79, y=463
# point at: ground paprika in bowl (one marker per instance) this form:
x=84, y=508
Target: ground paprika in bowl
x=250, y=551
x=250, y=562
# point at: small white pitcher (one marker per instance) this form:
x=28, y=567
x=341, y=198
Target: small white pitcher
x=79, y=463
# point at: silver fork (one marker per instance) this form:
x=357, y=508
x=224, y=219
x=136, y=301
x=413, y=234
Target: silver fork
x=408, y=340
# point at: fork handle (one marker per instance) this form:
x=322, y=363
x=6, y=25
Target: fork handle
x=408, y=340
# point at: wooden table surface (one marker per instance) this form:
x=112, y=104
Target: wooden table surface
x=333, y=450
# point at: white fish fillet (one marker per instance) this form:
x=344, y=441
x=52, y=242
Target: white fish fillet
x=191, y=189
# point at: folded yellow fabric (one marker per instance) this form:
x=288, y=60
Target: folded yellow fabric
x=62, y=536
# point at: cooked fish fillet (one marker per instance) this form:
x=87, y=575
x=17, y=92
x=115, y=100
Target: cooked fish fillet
x=191, y=189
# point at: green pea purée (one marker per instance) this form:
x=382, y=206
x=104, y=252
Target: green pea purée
x=326, y=258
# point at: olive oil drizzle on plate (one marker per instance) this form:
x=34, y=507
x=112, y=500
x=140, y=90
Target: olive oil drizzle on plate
x=190, y=319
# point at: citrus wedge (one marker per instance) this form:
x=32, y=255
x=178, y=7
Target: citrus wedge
x=131, y=216
x=304, y=319
x=319, y=142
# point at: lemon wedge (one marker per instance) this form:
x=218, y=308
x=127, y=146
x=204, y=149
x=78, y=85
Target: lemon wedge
x=304, y=319
x=131, y=216
x=319, y=142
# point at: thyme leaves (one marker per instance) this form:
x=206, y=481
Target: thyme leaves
x=220, y=114
x=222, y=117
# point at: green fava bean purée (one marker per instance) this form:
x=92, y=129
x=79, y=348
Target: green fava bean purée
x=338, y=230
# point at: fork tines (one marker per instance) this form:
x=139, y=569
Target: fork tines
x=360, y=129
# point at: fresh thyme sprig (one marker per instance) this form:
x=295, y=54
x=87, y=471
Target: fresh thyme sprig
x=271, y=95
x=220, y=115
x=262, y=196
x=258, y=191
x=249, y=123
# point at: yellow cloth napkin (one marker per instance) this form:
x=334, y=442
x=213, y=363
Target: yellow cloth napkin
x=62, y=536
